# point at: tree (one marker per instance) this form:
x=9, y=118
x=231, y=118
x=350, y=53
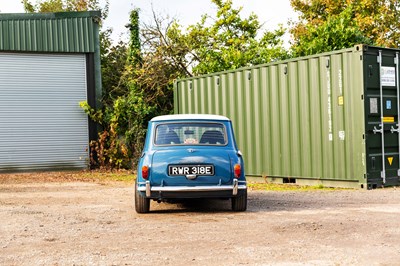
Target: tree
x=337, y=32
x=170, y=52
x=376, y=20
x=229, y=42
x=65, y=5
x=113, y=61
x=124, y=117
x=226, y=42
x=163, y=53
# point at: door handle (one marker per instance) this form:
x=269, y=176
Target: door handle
x=375, y=130
x=392, y=129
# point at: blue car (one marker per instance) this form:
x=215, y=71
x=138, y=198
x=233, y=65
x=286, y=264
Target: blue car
x=190, y=156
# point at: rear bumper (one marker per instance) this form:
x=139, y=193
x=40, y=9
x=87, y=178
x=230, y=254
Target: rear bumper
x=222, y=190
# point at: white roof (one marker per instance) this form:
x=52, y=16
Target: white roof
x=190, y=117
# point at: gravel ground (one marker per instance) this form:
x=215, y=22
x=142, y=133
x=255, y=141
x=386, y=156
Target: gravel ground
x=92, y=223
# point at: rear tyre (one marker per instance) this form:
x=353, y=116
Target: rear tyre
x=239, y=203
x=142, y=204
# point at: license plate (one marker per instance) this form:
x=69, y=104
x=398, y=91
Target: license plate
x=174, y=170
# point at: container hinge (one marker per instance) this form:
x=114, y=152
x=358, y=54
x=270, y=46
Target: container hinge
x=375, y=130
x=396, y=61
x=398, y=172
x=379, y=59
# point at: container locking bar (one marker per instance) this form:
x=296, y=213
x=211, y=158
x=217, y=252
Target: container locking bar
x=381, y=130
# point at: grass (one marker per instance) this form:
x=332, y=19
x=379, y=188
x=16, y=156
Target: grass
x=119, y=176
x=287, y=187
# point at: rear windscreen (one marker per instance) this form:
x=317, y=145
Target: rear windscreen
x=190, y=134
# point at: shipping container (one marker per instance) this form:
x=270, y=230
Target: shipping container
x=329, y=119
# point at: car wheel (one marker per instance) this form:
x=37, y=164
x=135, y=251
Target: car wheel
x=142, y=204
x=239, y=203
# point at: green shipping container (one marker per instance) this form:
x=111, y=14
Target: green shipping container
x=328, y=119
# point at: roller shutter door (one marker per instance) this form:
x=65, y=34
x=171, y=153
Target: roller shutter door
x=41, y=123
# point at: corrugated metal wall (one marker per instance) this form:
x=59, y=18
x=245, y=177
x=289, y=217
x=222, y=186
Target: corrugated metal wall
x=300, y=118
x=41, y=123
x=49, y=32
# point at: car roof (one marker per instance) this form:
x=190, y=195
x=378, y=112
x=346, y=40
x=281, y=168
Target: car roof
x=190, y=117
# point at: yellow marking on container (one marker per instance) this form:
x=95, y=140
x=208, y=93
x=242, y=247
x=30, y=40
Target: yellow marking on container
x=390, y=159
x=340, y=100
x=388, y=119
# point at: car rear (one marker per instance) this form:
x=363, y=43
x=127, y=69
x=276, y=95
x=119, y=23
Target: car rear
x=191, y=159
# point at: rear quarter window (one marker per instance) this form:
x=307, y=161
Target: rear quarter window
x=191, y=133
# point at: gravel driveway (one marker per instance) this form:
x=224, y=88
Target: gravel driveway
x=82, y=223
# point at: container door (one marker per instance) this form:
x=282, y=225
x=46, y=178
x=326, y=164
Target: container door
x=382, y=121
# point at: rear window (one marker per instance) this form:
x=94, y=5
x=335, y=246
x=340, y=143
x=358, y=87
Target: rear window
x=190, y=134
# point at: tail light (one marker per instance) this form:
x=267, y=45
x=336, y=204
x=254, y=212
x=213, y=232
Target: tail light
x=145, y=171
x=237, y=170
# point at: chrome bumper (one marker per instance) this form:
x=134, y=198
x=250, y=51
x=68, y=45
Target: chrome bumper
x=234, y=187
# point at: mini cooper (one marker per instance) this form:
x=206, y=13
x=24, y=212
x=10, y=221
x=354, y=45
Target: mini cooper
x=190, y=156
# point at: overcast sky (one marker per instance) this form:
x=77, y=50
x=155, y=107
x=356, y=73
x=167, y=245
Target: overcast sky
x=270, y=12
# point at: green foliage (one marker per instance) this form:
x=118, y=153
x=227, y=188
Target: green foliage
x=134, y=43
x=42, y=6
x=113, y=62
x=127, y=106
x=108, y=151
x=344, y=23
x=28, y=7
x=95, y=115
x=133, y=111
x=144, y=71
x=124, y=129
x=227, y=42
x=51, y=6
x=337, y=32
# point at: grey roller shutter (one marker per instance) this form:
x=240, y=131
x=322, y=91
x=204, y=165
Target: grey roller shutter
x=41, y=123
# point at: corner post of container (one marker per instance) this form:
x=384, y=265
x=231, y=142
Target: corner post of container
x=176, y=97
x=381, y=130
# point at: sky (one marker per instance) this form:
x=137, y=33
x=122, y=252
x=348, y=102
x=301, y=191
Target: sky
x=188, y=12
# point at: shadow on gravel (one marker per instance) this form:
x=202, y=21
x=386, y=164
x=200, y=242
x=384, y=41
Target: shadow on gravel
x=192, y=205
x=270, y=202
x=303, y=201
x=277, y=201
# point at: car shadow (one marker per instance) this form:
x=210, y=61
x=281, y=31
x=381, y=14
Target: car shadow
x=266, y=201
x=192, y=205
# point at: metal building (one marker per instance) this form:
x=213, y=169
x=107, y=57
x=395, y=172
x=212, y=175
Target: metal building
x=48, y=64
x=327, y=119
